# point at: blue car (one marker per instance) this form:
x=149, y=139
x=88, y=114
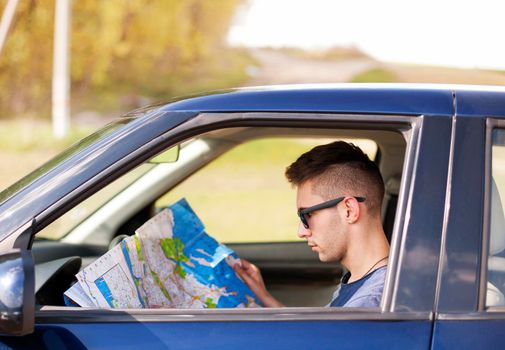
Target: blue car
x=441, y=152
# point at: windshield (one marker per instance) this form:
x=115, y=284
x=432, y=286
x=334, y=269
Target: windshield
x=51, y=164
x=60, y=227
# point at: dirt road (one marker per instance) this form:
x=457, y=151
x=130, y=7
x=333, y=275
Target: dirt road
x=277, y=67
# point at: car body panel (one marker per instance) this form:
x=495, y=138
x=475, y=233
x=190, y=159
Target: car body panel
x=233, y=335
x=349, y=98
x=464, y=320
x=460, y=270
x=480, y=103
x=469, y=334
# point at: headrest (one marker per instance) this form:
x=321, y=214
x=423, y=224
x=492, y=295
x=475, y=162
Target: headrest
x=497, y=229
x=393, y=185
x=493, y=296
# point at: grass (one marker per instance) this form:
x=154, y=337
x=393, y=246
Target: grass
x=243, y=196
x=330, y=54
x=375, y=75
x=34, y=135
x=410, y=73
x=27, y=144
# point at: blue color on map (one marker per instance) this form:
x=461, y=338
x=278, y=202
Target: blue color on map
x=187, y=226
x=198, y=244
x=104, y=289
x=126, y=255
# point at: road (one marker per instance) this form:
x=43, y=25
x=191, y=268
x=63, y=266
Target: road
x=277, y=67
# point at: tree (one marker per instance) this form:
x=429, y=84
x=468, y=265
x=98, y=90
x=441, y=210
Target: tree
x=150, y=47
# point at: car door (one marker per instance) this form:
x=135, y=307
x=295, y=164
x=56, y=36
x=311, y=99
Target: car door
x=404, y=319
x=470, y=307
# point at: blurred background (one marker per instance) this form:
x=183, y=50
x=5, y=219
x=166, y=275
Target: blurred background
x=90, y=61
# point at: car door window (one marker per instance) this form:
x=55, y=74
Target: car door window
x=234, y=180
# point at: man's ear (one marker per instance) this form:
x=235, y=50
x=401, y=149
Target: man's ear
x=352, y=210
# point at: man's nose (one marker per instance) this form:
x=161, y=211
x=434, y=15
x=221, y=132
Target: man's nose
x=302, y=231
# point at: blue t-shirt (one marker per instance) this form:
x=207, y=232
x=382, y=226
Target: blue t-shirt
x=365, y=292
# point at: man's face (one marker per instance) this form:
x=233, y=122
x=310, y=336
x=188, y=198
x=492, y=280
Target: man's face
x=327, y=234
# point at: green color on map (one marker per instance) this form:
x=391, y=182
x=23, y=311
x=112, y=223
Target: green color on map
x=160, y=284
x=137, y=246
x=210, y=304
x=174, y=249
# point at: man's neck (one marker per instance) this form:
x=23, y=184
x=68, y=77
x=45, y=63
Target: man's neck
x=367, y=251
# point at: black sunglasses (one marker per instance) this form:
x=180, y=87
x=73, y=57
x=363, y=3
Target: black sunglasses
x=304, y=213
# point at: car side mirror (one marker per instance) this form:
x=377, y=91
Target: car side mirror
x=17, y=293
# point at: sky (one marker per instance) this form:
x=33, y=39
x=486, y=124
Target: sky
x=451, y=33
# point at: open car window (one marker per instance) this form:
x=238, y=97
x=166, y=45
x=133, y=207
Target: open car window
x=246, y=188
x=234, y=180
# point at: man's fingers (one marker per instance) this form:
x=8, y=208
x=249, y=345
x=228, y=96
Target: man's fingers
x=250, y=275
x=238, y=272
x=251, y=269
x=243, y=275
x=245, y=264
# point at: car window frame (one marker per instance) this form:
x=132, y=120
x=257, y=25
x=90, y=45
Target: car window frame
x=410, y=126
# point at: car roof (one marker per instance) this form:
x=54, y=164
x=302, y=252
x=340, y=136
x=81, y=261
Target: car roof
x=400, y=99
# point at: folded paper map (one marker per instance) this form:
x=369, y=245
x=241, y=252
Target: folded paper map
x=170, y=262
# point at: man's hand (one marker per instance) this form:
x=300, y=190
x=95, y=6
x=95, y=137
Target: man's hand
x=251, y=275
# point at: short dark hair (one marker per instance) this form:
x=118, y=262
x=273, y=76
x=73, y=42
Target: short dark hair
x=338, y=169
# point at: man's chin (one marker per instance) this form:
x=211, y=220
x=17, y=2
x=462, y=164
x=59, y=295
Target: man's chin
x=323, y=257
x=326, y=259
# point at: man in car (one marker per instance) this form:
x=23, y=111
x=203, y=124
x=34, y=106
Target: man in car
x=339, y=198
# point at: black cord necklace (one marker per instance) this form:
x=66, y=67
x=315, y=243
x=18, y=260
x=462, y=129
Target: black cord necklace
x=384, y=258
